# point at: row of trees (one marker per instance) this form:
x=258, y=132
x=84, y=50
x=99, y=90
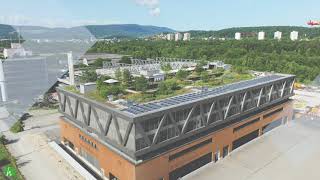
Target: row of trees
x=301, y=58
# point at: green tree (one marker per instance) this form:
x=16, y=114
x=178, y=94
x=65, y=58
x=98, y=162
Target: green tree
x=88, y=76
x=98, y=63
x=126, y=77
x=204, y=76
x=125, y=60
x=141, y=83
x=168, y=86
x=118, y=74
x=199, y=68
x=182, y=74
x=166, y=67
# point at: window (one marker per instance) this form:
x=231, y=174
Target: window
x=183, y=152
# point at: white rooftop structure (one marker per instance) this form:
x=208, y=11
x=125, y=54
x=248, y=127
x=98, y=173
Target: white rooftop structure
x=294, y=35
x=178, y=36
x=111, y=81
x=278, y=35
x=237, y=36
x=261, y=35
x=170, y=37
x=186, y=36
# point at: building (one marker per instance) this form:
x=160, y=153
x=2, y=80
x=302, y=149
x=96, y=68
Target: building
x=294, y=35
x=186, y=36
x=16, y=50
x=278, y=35
x=178, y=36
x=218, y=64
x=172, y=137
x=237, y=36
x=170, y=37
x=261, y=35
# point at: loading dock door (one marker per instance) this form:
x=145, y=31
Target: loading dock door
x=188, y=168
x=271, y=126
x=245, y=139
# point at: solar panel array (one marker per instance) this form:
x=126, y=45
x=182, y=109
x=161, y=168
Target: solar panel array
x=147, y=107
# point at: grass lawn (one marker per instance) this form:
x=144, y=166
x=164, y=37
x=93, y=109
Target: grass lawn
x=5, y=156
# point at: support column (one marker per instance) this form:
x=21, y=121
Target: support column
x=71, y=69
x=2, y=83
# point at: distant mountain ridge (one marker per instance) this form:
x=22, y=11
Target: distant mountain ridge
x=99, y=31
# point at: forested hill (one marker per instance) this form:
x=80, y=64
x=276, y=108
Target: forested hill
x=5, y=31
x=301, y=58
x=304, y=32
x=99, y=31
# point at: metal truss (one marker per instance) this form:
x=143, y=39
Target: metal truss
x=213, y=112
x=84, y=113
x=149, y=131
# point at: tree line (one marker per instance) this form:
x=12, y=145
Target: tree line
x=301, y=58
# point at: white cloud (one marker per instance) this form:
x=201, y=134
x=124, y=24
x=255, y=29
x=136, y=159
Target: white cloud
x=152, y=5
x=155, y=11
x=149, y=3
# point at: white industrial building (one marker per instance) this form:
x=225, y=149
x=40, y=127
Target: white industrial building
x=178, y=36
x=237, y=36
x=278, y=35
x=186, y=36
x=261, y=35
x=170, y=37
x=294, y=35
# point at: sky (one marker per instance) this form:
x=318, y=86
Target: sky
x=175, y=14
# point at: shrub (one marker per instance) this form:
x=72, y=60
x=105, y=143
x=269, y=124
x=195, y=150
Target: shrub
x=3, y=139
x=17, y=127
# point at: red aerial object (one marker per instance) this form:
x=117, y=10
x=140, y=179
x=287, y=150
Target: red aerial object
x=313, y=23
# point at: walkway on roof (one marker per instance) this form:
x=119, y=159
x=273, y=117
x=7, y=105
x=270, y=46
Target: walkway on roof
x=290, y=152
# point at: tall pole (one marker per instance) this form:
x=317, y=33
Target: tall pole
x=71, y=69
x=2, y=83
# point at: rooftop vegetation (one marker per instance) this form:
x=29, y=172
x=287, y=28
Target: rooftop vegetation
x=139, y=89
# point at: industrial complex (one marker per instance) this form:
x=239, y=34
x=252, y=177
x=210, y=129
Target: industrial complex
x=179, y=134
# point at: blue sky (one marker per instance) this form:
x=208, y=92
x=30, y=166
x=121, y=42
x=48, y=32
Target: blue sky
x=176, y=14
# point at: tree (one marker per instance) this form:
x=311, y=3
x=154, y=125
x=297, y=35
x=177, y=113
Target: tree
x=141, y=83
x=166, y=67
x=107, y=90
x=204, y=76
x=125, y=60
x=100, y=81
x=182, y=74
x=88, y=76
x=118, y=74
x=168, y=86
x=126, y=77
x=199, y=68
x=98, y=63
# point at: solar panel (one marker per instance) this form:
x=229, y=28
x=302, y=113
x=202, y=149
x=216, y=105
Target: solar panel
x=137, y=109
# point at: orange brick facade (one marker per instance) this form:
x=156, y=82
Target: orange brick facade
x=159, y=167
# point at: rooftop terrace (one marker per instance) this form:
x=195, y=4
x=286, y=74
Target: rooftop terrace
x=190, y=97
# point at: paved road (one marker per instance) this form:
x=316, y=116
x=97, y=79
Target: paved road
x=35, y=158
x=290, y=152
